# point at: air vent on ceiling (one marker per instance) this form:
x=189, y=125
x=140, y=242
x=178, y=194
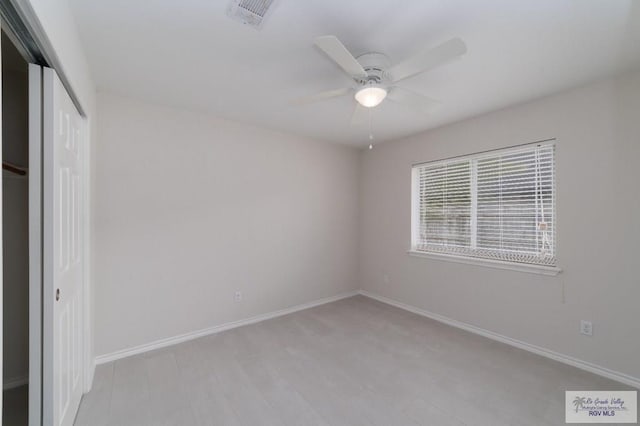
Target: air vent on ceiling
x=249, y=12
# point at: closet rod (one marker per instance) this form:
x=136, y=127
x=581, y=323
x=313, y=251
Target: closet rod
x=13, y=168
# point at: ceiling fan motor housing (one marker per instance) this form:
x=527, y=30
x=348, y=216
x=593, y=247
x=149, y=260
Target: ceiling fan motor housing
x=376, y=66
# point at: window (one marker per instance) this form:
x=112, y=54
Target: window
x=498, y=205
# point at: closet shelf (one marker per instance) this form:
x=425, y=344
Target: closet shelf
x=20, y=171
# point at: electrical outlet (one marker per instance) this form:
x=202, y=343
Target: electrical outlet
x=237, y=297
x=385, y=278
x=586, y=328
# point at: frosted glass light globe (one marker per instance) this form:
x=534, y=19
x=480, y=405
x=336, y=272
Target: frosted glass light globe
x=370, y=96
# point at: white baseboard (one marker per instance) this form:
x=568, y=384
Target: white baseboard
x=101, y=359
x=583, y=365
x=15, y=382
x=89, y=376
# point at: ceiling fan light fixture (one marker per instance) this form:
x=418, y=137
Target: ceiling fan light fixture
x=371, y=96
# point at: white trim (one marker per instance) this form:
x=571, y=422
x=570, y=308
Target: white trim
x=35, y=243
x=88, y=367
x=15, y=382
x=547, y=353
x=90, y=374
x=101, y=359
x=491, y=263
x=48, y=260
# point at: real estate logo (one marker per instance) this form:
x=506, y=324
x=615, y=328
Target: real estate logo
x=601, y=406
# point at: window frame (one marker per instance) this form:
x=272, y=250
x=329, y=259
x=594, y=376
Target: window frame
x=476, y=260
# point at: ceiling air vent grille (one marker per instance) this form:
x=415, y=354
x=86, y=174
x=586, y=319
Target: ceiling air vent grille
x=249, y=12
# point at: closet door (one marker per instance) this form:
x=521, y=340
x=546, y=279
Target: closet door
x=35, y=245
x=63, y=139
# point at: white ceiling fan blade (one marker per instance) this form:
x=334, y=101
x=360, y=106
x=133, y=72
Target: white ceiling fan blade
x=340, y=55
x=429, y=59
x=411, y=99
x=322, y=96
x=360, y=115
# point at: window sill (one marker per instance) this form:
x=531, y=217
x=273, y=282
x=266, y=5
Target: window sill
x=519, y=267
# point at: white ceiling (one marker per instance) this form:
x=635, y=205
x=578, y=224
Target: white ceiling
x=188, y=53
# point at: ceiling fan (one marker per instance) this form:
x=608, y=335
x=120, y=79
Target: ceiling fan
x=375, y=78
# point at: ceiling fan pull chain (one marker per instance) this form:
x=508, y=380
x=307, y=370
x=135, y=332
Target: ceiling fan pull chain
x=370, y=128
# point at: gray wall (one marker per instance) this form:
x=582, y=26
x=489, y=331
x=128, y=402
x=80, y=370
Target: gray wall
x=188, y=209
x=598, y=147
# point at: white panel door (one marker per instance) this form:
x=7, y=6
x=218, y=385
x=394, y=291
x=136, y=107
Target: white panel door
x=62, y=253
x=35, y=245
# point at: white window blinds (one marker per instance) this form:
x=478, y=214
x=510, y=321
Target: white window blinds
x=498, y=205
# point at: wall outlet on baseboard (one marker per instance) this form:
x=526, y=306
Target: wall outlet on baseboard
x=586, y=328
x=237, y=296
